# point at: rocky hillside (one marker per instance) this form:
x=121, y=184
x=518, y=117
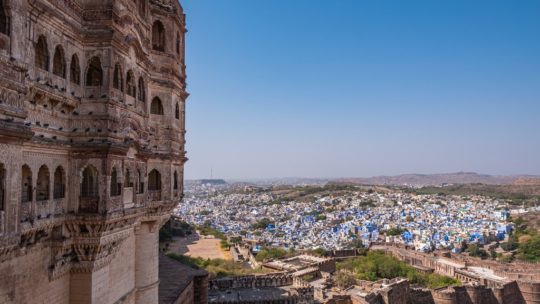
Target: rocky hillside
x=444, y=178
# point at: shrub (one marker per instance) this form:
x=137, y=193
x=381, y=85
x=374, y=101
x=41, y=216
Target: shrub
x=530, y=250
x=271, y=253
x=217, y=268
x=376, y=265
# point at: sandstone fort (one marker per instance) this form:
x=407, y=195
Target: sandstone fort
x=92, y=99
x=92, y=154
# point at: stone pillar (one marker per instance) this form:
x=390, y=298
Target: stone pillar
x=147, y=263
x=89, y=287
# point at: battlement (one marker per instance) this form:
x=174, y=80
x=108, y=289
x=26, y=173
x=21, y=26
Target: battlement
x=272, y=288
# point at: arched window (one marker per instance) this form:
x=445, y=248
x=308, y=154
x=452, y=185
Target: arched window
x=142, y=90
x=4, y=20
x=177, y=111
x=154, y=180
x=26, y=184
x=140, y=182
x=128, y=183
x=130, y=84
x=142, y=7
x=59, y=183
x=75, y=70
x=2, y=187
x=175, y=181
x=178, y=43
x=115, y=185
x=158, y=36
x=43, y=182
x=117, y=78
x=42, y=54
x=94, y=74
x=89, y=184
x=156, y=107
x=59, y=62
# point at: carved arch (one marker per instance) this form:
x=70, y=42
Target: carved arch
x=41, y=54
x=4, y=18
x=59, y=62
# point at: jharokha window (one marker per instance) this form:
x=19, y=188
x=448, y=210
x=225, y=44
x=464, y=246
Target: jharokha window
x=130, y=84
x=158, y=36
x=75, y=70
x=59, y=62
x=156, y=107
x=59, y=183
x=115, y=185
x=42, y=54
x=94, y=74
x=140, y=182
x=154, y=180
x=89, y=184
x=117, y=78
x=43, y=181
x=178, y=43
x=142, y=91
x=26, y=184
x=2, y=187
x=4, y=20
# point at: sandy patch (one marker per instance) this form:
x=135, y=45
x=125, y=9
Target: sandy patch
x=200, y=246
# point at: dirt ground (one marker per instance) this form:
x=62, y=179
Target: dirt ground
x=199, y=246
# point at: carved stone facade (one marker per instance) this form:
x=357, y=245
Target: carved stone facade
x=92, y=101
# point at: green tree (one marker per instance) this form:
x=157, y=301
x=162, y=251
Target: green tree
x=476, y=251
x=376, y=265
x=270, y=254
x=530, y=250
x=262, y=223
x=345, y=279
x=394, y=231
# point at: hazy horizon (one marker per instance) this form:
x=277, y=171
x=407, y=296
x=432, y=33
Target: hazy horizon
x=347, y=177
x=326, y=89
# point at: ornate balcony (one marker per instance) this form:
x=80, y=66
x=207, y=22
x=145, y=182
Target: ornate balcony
x=140, y=199
x=43, y=209
x=88, y=204
x=129, y=197
x=117, y=203
x=26, y=214
x=58, y=206
x=154, y=195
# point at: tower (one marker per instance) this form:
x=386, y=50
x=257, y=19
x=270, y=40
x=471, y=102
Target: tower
x=92, y=107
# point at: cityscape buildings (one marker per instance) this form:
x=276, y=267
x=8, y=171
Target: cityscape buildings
x=425, y=222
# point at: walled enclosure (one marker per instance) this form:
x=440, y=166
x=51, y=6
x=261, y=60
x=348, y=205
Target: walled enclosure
x=92, y=108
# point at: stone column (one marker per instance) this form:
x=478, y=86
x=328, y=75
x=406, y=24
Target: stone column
x=89, y=287
x=147, y=263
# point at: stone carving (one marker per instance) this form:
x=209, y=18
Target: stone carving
x=61, y=111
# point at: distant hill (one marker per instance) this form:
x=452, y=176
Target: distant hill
x=206, y=181
x=444, y=178
x=527, y=182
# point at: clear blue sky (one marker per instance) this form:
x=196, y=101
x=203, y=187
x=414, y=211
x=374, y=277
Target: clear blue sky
x=342, y=88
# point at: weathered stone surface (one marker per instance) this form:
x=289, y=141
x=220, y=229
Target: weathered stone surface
x=92, y=100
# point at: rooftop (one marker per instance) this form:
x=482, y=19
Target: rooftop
x=174, y=277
